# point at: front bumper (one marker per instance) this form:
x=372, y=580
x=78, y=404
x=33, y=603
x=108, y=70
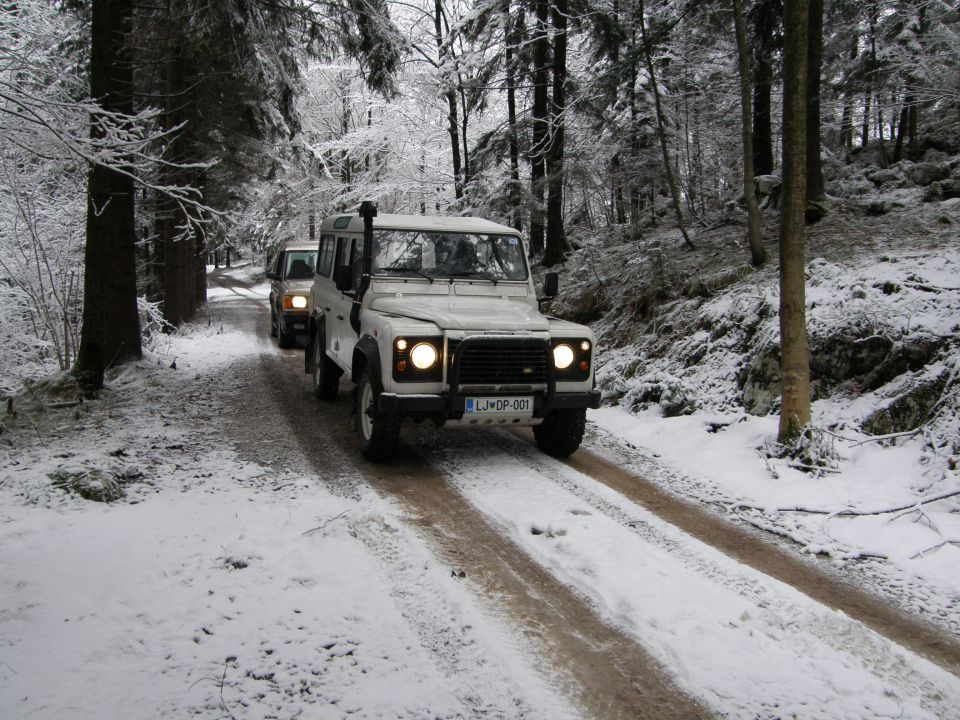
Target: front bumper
x=452, y=407
x=295, y=321
x=450, y=404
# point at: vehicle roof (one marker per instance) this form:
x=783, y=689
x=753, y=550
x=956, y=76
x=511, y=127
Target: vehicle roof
x=300, y=245
x=438, y=223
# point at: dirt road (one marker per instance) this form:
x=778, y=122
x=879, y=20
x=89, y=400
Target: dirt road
x=605, y=671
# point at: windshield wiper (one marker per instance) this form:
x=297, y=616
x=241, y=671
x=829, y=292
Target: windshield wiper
x=474, y=274
x=409, y=270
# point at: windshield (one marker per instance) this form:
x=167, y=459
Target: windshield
x=300, y=264
x=405, y=253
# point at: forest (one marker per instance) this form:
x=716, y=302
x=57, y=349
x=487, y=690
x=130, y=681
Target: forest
x=143, y=140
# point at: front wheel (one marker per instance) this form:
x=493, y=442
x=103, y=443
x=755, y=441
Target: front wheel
x=285, y=338
x=561, y=432
x=326, y=374
x=379, y=431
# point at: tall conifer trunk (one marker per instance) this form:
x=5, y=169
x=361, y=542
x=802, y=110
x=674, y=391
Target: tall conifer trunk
x=556, y=241
x=513, y=35
x=794, y=349
x=177, y=244
x=815, y=192
x=110, y=332
x=541, y=126
x=757, y=253
x=765, y=22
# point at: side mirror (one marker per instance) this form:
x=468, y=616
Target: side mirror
x=343, y=277
x=272, y=275
x=551, y=285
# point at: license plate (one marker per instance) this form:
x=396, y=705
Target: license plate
x=499, y=406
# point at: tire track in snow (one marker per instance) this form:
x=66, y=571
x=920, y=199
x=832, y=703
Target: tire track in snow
x=608, y=673
x=871, y=647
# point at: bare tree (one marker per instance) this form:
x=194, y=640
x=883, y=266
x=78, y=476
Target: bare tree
x=662, y=128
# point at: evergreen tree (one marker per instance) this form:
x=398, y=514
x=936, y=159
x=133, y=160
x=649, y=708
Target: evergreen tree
x=110, y=332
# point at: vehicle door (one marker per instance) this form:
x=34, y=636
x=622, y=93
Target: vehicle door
x=349, y=251
x=276, y=277
x=322, y=291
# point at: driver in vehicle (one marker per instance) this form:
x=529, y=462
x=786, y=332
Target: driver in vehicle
x=455, y=255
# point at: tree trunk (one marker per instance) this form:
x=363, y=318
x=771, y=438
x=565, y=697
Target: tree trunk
x=513, y=34
x=865, y=125
x=794, y=350
x=111, y=326
x=177, y=243
x=846, y=122
x=764, y=21
x=758, y=254
x=556, y=245
x=452, y=113
x=662, y=132
x=541, y=126
x=636, y=202
x=816, y=195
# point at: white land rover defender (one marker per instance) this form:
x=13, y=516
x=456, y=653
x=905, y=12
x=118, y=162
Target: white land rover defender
x=436, y=318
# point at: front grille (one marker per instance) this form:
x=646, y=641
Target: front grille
x=506, y=361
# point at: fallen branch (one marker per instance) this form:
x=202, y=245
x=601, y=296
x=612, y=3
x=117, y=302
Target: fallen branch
x=934, y=548
x=732, y=507
x=325, y=523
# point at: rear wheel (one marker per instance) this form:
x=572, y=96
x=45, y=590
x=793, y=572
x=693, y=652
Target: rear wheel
x=561, y=432
x=326, y=374
x=379, y=431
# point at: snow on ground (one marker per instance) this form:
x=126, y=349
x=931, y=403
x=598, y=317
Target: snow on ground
x=223, y=588
x=220, y=588
x=748, y=645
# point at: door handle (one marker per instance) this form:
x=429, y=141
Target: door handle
x=339, y=317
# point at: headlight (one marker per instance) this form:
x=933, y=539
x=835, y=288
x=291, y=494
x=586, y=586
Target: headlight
x=562, y=356
x=423, y=356
x=417, y=359
x=294, y=302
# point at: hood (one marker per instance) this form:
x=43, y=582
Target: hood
x=466, y=313
x=300, y=286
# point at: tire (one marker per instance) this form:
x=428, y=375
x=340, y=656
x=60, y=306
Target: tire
x=561, y=432
x=285, y=339
x=326, y=374
x=378, y=431
x=273, y=321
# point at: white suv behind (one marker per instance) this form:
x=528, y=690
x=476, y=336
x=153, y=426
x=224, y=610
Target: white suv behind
x=436, y=318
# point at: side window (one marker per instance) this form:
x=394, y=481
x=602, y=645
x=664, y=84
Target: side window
x=278, y=263
x=325, y=260
x=343, y=245
x=356, y=261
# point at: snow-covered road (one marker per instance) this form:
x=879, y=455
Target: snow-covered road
x=257, y=567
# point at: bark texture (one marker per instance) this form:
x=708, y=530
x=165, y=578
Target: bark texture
x=794, y=348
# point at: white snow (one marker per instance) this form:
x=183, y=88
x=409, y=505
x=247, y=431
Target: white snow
x=223, y=588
